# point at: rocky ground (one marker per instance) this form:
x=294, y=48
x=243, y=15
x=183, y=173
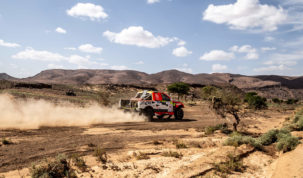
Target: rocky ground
x=165, y=148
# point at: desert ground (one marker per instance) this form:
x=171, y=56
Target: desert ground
x=136, y=148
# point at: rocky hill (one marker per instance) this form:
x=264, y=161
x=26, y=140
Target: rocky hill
x=4, y=76
x=267, y=85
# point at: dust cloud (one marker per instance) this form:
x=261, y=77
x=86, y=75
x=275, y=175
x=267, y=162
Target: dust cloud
x=32, y=114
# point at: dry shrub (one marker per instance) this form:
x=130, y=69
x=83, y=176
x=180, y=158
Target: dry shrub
x=79, y=162
x=141, y=156
x=172, y=154
x=233, y=164
x=60, y=167
x=101, y=155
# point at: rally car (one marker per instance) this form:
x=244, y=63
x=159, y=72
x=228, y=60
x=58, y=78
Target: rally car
x=153, y=103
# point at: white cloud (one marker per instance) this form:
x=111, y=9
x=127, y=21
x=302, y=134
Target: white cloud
x=79, y=60
x=116, y=67
x=32, y=54
x=272, y=68
x=54, y=66
x=251, y=53
x=84, y=10
x=88, y=48
x=60, y=30
x=219, y=68
x=287, y=59
x=136, y=35
x=7, y=44
x=217, y=55
x=181, y=52
x=185, y=68
x=152, y=1
x=246, y=14
x=139, y=63
x=264, y=49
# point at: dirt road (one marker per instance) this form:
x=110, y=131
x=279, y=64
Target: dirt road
x=30, y=146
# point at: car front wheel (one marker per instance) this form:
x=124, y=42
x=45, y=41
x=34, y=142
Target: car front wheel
x=179, y=114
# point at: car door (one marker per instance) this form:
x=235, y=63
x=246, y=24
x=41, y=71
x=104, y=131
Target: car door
x=166, y=102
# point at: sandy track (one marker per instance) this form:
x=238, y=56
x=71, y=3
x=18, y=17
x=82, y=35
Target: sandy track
x=33, y=145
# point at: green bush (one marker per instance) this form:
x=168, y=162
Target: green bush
x=269, y=137
x=287, y=143
x=180, y=88
x=254, y=101
x=249, y=95
x=292, y=101
x=237, y=140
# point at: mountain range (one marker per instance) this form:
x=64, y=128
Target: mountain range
x=268, y=85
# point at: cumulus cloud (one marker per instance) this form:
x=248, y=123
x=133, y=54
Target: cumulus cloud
x=152, y=1
x=185, y=68
x=88, y=48
x=33, y=54
x=60, y=30
x=79, y=60
x=136, y=35
x=246, y=14
x=251, y=53
x=219, y=68
x=87, y=10
x=217, y=55
x=117, y=67
x=285, y=59
x=7, y=44
x=181, y=52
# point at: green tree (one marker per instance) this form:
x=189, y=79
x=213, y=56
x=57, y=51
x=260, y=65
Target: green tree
x=225, y=101
x=208, y=92
x=254, y=101
x=180, y=88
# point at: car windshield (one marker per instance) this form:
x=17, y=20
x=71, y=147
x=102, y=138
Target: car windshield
x=138, y=95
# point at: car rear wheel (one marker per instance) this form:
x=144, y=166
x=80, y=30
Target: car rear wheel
x=149, y=113
x=179, y=114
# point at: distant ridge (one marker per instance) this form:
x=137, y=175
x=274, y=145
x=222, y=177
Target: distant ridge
x=268, y=85
x=4, y=76
x=86, y=76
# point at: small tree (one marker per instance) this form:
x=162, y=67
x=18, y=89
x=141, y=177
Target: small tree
x=226, y=101
x=180, y=88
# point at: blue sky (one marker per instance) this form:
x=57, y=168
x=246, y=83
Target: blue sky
x=248, y=37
